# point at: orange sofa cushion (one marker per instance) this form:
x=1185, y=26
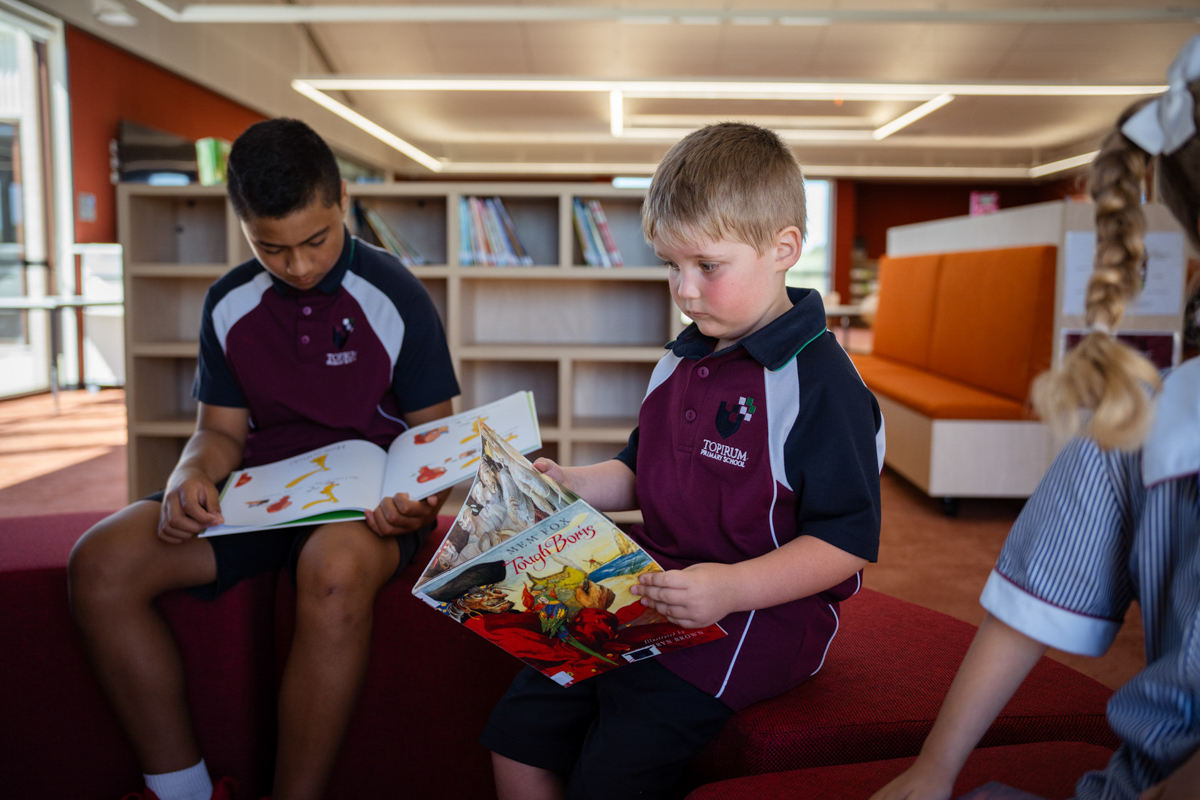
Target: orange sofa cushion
x=994, y=318
x=904, y=321
x=932, y=395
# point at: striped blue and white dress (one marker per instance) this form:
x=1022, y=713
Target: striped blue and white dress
x=1101, y=530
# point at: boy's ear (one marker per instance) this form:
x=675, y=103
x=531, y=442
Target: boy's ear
x=788, y=245
x=344, y=201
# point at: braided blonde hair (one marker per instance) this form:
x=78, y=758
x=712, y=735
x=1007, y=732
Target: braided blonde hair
x=1109, y=381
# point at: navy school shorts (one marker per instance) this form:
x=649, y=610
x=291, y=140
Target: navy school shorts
x=625, y=733
x=244, y=555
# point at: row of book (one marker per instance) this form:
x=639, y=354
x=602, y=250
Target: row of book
x=595, y=237
x=487, y=235
x=388, y=239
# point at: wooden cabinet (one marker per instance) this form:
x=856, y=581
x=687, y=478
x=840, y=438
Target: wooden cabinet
x=583, y=339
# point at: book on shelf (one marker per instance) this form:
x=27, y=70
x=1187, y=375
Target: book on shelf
x=487, y=235
x=606, y=237
x=535, y=570
x=212, y=156
x=370, y=219
x=595, y=237
x=346, y=479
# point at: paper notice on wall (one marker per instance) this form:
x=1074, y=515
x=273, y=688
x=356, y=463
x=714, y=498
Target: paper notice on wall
x=1078, y=260
x=1162, y=283
x=1162, y=289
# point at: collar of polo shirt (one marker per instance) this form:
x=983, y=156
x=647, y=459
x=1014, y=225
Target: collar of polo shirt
x=774, y=345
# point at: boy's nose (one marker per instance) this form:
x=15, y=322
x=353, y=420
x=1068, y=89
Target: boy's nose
x=688, y=285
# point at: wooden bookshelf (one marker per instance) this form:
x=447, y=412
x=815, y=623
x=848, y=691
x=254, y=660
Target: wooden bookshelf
x=583, y=339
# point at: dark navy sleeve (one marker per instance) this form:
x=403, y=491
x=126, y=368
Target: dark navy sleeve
x=628, y=456
x=832, y=453
x=215, y=384
x=424, y=373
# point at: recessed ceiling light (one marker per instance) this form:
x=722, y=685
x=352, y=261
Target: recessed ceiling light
x=111, y=12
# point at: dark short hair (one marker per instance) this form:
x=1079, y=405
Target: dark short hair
x=279, y=166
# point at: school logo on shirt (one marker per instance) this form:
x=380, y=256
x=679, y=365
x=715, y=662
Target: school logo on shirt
x=342, y=331
x=729, y=420
x=724, y=453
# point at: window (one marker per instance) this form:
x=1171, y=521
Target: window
x=814, y=268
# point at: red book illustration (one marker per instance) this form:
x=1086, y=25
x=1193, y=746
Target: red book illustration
x=540, y=573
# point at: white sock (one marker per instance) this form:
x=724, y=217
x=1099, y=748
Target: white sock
x=192, y=783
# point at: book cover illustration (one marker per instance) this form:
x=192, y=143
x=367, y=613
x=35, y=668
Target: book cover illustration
x=344, y=480
x=553, y=589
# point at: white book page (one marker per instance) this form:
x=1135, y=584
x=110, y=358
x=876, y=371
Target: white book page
x=340, y=477
x=428, y=458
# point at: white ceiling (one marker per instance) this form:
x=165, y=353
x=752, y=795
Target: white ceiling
x=916, y=41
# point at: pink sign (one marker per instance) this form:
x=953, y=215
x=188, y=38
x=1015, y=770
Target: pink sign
x=984, y=203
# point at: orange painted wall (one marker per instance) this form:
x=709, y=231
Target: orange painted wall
x=866, y=209
x=879, y=206
x=108, y=84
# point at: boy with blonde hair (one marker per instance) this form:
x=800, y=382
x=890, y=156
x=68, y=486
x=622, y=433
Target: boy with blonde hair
x=756, y=466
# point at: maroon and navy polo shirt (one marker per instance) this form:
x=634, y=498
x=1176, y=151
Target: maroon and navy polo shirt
x=738, y=453
x=344, y=360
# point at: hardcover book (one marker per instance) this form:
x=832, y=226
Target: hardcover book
x=540, y=573
x=347, y=479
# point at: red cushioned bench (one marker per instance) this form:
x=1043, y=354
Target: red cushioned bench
x=879, y=692
x=1044, y=769
x=431, y=684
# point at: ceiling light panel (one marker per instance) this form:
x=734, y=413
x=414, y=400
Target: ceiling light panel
x=508, y=13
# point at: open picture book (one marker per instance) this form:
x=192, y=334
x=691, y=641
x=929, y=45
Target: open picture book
x=540, y=573
x=347, y=479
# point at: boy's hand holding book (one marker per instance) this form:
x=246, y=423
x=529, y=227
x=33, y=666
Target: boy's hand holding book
x=190, y=504
x=398, y=515
x=694, y=597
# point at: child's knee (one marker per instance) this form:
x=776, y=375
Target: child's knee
x=99, y=563
x=336, y=588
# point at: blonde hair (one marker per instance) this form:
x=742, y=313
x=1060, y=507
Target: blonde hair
x=731, y=181
x=1106, y=379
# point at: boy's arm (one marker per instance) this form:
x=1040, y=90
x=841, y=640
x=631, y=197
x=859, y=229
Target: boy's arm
x=190, y=501
x=997, y=662
x=705, y=593
x=607, y=486
x=399, y=515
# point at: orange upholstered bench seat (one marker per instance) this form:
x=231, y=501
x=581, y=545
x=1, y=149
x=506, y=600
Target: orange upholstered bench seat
x=959, y=338
x=932, y=395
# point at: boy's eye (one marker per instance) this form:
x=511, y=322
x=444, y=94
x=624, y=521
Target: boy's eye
x=316, y=244
x=708, y=266
x=670, y=264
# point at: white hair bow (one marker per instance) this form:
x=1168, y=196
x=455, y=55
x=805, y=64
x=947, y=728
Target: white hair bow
x=1164, y=125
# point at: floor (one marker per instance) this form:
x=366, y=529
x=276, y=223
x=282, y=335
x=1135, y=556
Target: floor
x=75, y=461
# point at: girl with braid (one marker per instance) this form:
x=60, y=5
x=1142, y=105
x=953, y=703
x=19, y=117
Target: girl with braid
x=1116, y=518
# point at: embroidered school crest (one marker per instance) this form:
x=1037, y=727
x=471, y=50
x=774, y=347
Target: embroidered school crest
x=729, y=420
x=342, y=331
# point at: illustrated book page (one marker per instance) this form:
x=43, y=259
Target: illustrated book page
x=543, y=575
x=347, y=479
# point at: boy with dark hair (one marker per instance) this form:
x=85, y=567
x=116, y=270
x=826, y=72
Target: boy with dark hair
x=756, y=466
x=320, y=338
